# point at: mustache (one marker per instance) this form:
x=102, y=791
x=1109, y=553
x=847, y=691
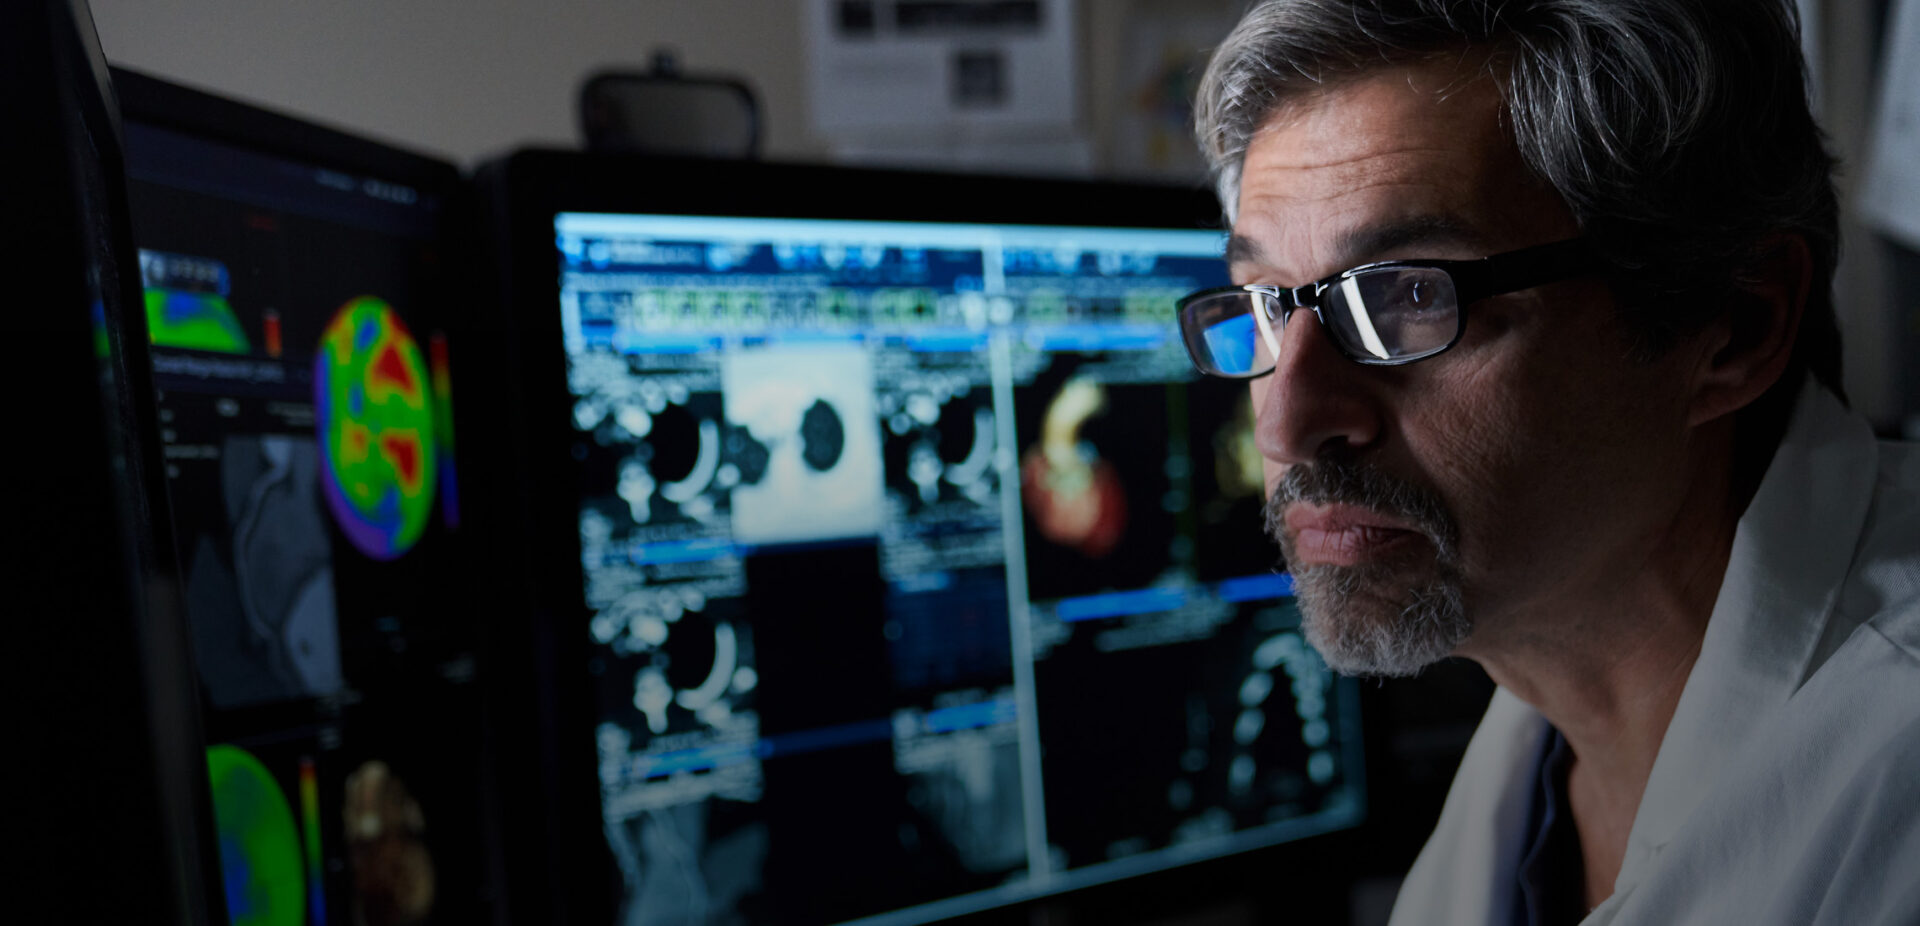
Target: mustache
x=1343, y=480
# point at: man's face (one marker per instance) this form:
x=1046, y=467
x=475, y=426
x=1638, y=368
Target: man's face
x=1458, y=503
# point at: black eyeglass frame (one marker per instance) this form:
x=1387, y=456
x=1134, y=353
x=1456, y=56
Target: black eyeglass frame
x=1473, y=280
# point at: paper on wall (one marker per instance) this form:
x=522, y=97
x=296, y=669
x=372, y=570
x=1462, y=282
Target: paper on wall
x=941, y=67
x=1889, y=198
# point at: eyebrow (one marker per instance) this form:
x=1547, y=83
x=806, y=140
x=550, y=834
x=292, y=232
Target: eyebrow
x=1367, y=243
x=1242, y=249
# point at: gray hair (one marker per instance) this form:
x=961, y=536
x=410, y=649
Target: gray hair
x=1677, y=131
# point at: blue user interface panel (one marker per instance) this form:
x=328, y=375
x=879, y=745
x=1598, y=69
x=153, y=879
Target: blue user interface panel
x=924, y=574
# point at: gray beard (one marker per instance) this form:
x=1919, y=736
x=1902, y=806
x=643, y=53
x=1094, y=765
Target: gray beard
x=1364, y=624
x=1374, y=619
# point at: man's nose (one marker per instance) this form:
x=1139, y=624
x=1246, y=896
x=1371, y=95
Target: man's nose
x=1315, y=399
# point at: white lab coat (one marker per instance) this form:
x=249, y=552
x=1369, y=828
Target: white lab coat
x=1787, y=788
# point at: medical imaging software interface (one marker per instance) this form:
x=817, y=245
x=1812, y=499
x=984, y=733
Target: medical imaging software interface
x=303, y=384
x=923, y=573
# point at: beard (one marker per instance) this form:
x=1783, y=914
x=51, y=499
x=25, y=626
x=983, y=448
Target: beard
x=1388, y=619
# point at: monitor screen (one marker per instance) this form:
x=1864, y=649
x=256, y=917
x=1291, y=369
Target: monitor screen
x=922, y=573
x=298, y=318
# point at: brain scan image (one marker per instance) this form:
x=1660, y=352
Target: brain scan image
x=375, y=422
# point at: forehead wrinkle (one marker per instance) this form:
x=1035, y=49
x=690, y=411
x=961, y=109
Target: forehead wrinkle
x=1348, y=175
x=1348, y=234
x=1410, y=153
x=1328, y=222
x=1280, y=205
x=1423, y=168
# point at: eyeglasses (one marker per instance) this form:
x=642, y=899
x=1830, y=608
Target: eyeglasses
x=1381, y=314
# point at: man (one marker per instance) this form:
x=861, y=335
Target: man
x=1588, y=434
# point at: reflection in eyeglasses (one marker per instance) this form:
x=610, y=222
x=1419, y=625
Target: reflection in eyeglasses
x=1357, y=308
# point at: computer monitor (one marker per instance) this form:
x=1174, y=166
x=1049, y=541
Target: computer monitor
x=109, y=814
x=905, y=566
x=300, y=297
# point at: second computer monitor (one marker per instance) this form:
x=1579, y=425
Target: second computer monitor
x=918, y=573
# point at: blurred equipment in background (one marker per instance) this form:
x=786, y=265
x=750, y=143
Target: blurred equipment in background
x=665, y=112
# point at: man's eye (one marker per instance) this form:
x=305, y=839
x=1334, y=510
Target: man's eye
x=1418, y=295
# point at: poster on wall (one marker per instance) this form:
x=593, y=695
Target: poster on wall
x=899, y=67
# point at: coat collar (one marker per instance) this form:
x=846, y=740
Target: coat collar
x=1791, y=554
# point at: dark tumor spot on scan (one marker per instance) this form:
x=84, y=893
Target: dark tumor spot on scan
x=825, y=437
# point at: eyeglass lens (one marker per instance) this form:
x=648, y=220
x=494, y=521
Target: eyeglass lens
x=1390, y=315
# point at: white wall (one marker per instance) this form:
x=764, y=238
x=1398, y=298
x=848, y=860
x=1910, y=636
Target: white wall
x=462, y=79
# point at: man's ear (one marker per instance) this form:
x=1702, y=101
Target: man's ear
x=1749, y=346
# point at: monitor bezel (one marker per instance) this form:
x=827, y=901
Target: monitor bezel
x=160, y=103
x=112, y=726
